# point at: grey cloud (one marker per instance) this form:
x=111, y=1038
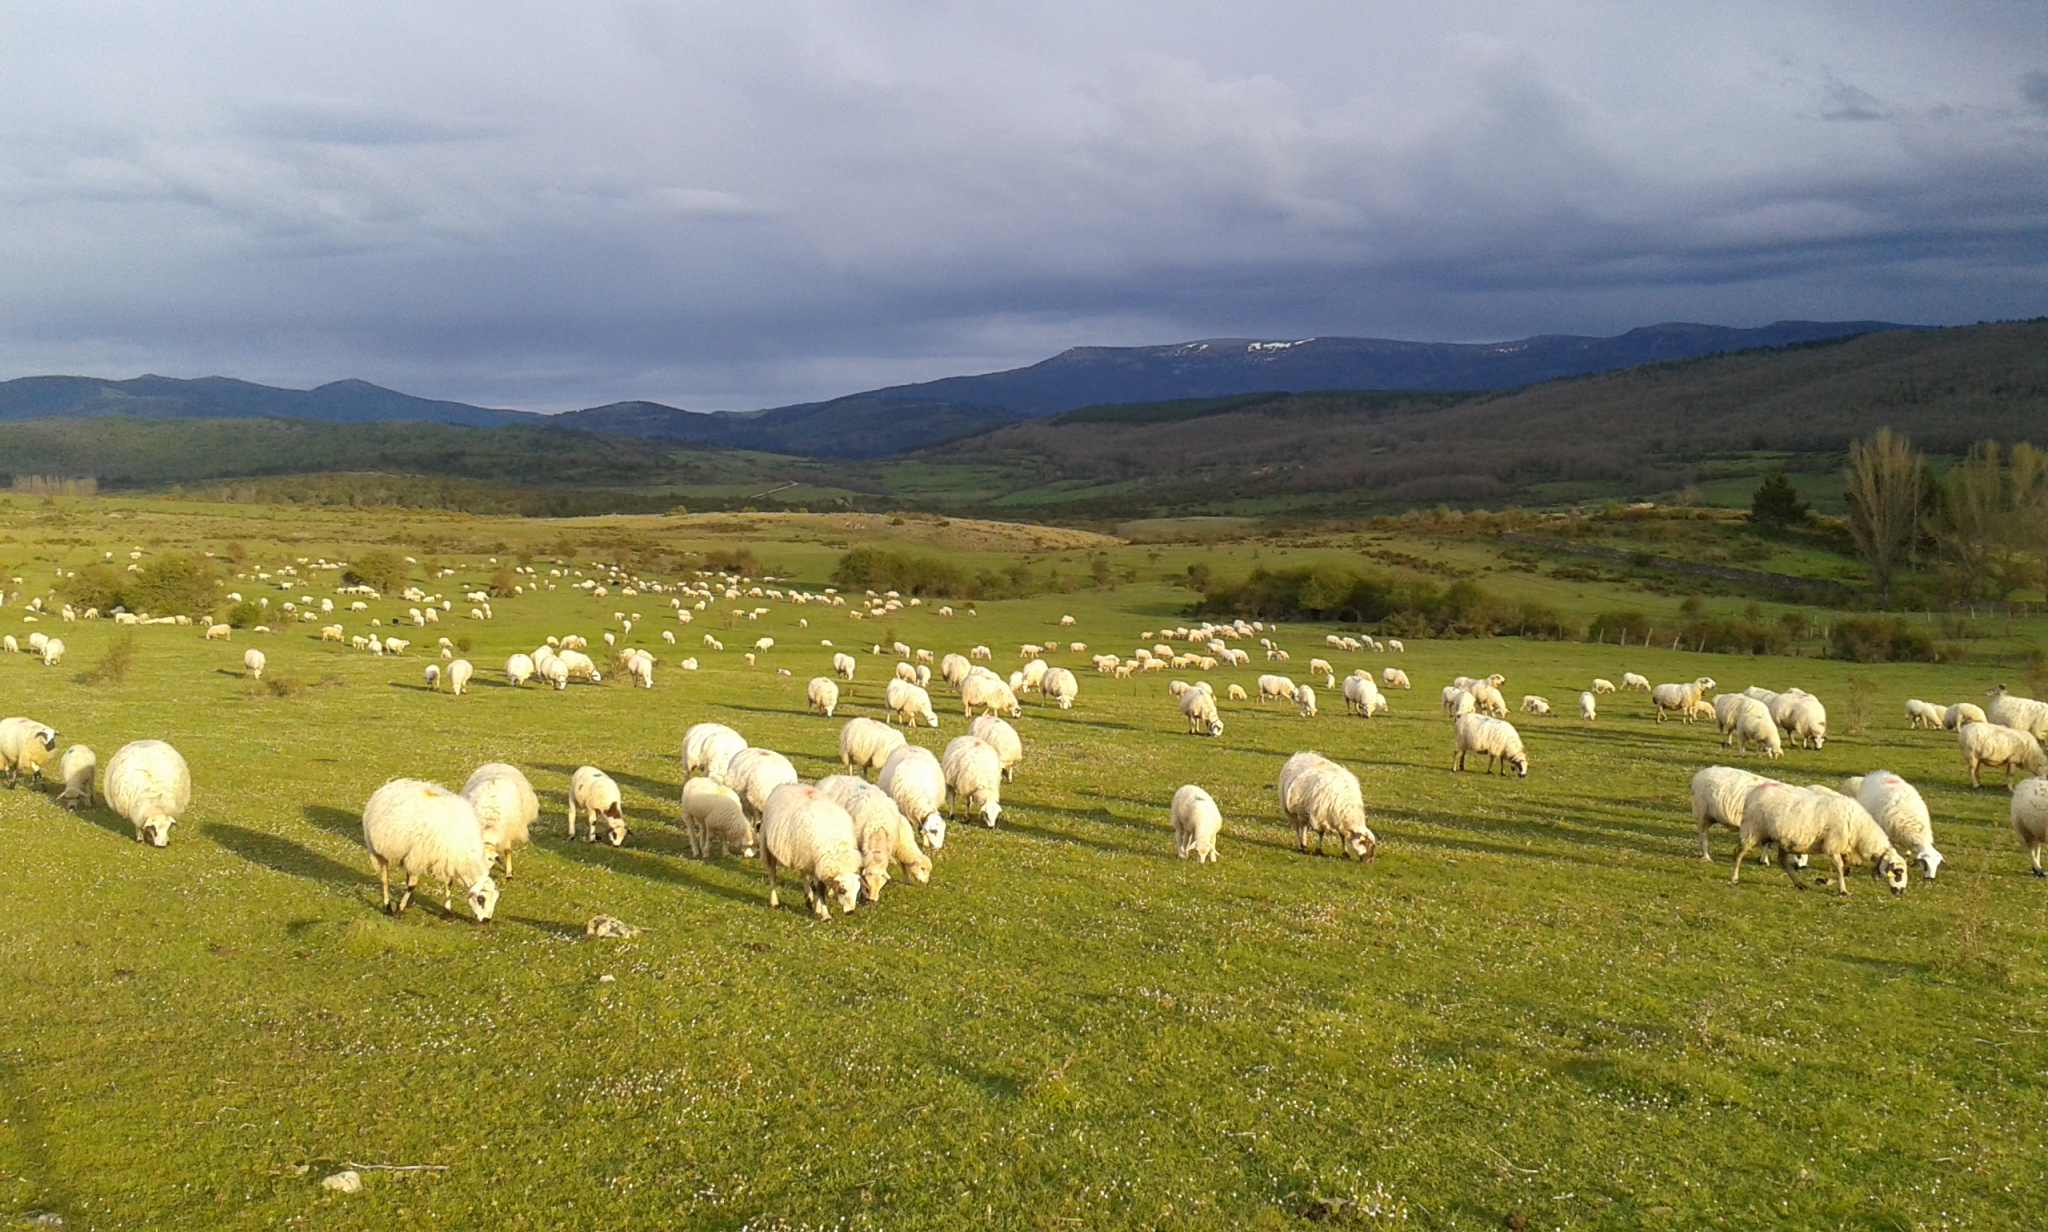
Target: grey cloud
x=2034, y=88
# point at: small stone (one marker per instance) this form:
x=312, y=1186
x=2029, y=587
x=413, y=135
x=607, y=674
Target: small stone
x=607, y=979
x=344, y=1182
x=609, y=926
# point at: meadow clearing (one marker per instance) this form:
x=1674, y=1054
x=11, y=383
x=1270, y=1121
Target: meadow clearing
x=1535, y=1006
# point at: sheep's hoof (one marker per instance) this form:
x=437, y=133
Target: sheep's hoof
x=2041, y=872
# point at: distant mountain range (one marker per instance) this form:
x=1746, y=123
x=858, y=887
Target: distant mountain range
x=904, y=417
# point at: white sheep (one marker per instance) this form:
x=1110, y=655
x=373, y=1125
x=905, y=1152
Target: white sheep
x=75, y=769
x=1236, y=693
x=879, y=831
x=822, y=696
x=148, y=783
x=2030, y=819
x=1806, y=822
x=1196, y=823
x=428, y=831
x=1274, y=686
x=506, y=808
x=518, y=670
x=1717, y=796
x=804, y=831
x=711, y=810
x=1395, y=678
x=974, y=773
x=459, y=672
x=1487, y=699
x=906, y=670
x=221, y=633
x=843, y=665
x=1745, y=721
x=986, y=693
x=708, y=748
x=1198, y=707
x=865, y=745
x=1321, y=797
x=1060, y=687
x=914, y=779
x=1989, y=744
x=1305, y=701
x=1601, y=686
x=754, y=774
x=1678, y=697
x=1801, y=715
x=1900, y=812
x=1532, y=704
x=253, y=662
x=1589, y=707
x=1497, y=738
x=1360, y=694
x=593, y=792
x=1003, y=737
x=53, y=652
x=1629, y=680
x=640, y=667
x=24, y=746
x=554, y=671
x=1922, y=715
x=431, y=676
x=1962, y=712
x=906, y=701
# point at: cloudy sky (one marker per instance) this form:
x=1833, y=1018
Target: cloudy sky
x=728, y=206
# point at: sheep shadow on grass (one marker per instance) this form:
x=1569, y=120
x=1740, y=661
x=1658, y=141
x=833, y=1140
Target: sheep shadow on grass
x=283, y=855
x=678, y=871
x=345, y=822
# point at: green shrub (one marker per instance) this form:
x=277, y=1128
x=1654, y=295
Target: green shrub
x=380, y=569
x=1883, y=639
x=244, y=614
x=112, y=667
x=177, y=584
x=925, y=576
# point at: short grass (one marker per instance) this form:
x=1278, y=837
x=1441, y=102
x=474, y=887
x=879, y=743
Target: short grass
x=1537, y=1001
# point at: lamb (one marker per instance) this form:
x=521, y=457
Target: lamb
x=518, y=670
x=459, y=672
x=988, y=694
x=1601, y=686
x=754, y=774
x=865, y=745
x=1743, y=721
x=1900, y=812
x=431, y=676
x=1497, y=738
x=843, y=665
x=1962, y=712
x=217, y=633
x=1320, y=667
x=428, y=831
x=76, y=769
x=1060, y=687
x=913, y=778
x=1629, y=680
x=10, y=645
x=2030, y=819
x=804, y=831
x=708, y=748
x=1275, y=686
x=24, y=746
x=253, y=662
x=1989, y=744
x=1196, y=823
x=1589, y=709
x=1532, y=704
x=1236, y=693
x=149, y=784
x=1806, y=822
x=2019, y=713
x=974, y=772
x=906, y=671
x=822, y=695
x=1922, y=715
x=506, y=808
x=1198, y=707
x=1321, y=797
x=1395, y=678
x=1679, y=697
x=1003, y=738
x=879, y=831
x=593, y=792
x=910, y=703
x=1394, y=644
x=1305, y=701
x=711, y=810
x=1718, y=793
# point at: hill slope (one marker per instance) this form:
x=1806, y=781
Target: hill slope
x=217, y=397
x=863, y=426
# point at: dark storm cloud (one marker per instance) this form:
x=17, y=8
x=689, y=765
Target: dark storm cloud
x=733, y=206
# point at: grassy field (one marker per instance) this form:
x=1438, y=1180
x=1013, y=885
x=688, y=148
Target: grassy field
x=1536, y=1005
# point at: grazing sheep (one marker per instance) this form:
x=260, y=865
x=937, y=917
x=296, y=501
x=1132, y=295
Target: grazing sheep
x=1196, y=823
x=1003, y=737
x=506, y=808
x=1360, y=694
x=822, y=695
x=1460, y=703
x=24, y=746
x=459, y=672
x=1922, y=715
x=431, y=676
x=711, y=810
x=906, y=701
x=1589, y=708
x=1320, y=667
x=1532, y=704
x=906, y=671
x=2019, y=713
x=1962, y=712
x=1629, y=680
x=428, y=831
x=1806, y=822
x=1395, y=678
x=149, y=784
x=554, y=671
x=218, y=633
x=1486, y=699
x=974, y=772
x=1305, y=701
x=1744, y=721
x=53, y=652
x=1989, y=744
x=804, y=831
x=1275, y=686
x=253, y=661
x=880, y=832
x=1601, y=686
x=1717, y=796
x=1321, y=797
x=1802, y=715
x=518, y=670
x=753, y=774
x=708, y=748
x=1236, y=693
x=986, y=693
x=1900, y=812
x=593, y=792
x=1497, y=738
x=76, y=769
x=1198, y=707
x=1678, y=697
x=10, y=645
x=953, y=669
x=843, y=665
x=1060, y=687
x=865, y=745
x=2030, y=819
x=640, y=668
x=913, y=778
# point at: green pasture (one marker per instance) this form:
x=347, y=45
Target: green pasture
x=1536, y=1006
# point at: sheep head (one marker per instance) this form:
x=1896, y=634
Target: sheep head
x=1892, y=869
x=156, y=829
x=990, y=812
x=872, y=879
x=483, y=899
x=933, y=831
x=1929, y=861
x=1520, y=761
x=614, y=825
x=842, y=891
x=1361, y=845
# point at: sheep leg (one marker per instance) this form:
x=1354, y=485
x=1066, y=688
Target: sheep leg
x=2034, y=854
x=572, y=817
x=1704, y=826
x=768, y=862
x=1742, y=851
x=384, y=879
x=405, y=899
x=1842, y=876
